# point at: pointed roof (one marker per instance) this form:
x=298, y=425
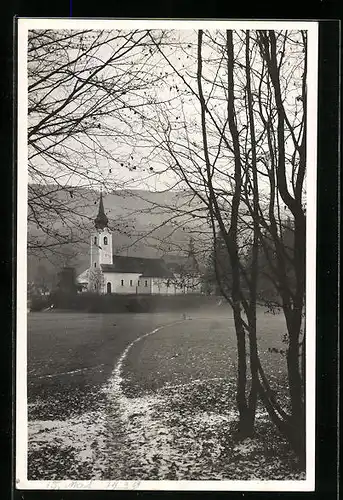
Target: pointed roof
x=101, y=219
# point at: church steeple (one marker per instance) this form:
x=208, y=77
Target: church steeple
x=101, y=220
x=101, y=240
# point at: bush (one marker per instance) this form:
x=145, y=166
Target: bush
x=39, y=302
x=115, y=303
x=63, y=300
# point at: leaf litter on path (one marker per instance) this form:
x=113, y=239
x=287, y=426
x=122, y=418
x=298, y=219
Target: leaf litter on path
x=170, y=434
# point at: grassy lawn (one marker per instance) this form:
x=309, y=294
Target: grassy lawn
x=70, y=355
x=58, y=341
x=203, y=347
x=185, y=376
x=168, y=413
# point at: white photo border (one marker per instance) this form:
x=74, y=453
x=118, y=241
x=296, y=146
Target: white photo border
x=23, y=26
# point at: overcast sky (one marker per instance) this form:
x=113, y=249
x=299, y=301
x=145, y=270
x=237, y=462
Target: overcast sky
x=130, y=144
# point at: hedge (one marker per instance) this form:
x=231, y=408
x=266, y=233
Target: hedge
x=95, y=303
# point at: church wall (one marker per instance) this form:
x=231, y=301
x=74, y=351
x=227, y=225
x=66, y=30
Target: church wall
x=159, y=287
x=179, y=290
x=145, y=286
x=122, y=282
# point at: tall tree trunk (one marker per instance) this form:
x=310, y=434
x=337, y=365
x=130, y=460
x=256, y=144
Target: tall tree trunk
x=292, y=296
x=245, y=424
x=296, y=387
x=254, y=210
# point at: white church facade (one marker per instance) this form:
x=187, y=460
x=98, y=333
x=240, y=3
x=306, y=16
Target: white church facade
x=109, y=273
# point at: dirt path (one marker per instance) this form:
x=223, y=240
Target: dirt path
x=77, y=447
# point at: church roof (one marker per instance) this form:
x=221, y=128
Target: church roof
x=148, y=268
x=83, y=277
x=101, y=219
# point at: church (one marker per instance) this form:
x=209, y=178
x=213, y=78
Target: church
x=109, y=273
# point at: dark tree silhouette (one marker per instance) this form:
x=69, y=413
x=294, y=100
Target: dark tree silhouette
x=84, y=86
x=242, y=156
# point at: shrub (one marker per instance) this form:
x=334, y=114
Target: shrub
x=117, y=303
x=39, y=302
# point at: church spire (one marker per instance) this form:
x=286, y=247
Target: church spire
x=101, y=219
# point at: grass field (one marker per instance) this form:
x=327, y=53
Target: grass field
x=108, y=401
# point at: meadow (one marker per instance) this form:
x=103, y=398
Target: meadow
x=148, y=396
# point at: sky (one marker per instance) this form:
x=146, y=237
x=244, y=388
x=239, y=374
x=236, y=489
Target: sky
x=129, y=158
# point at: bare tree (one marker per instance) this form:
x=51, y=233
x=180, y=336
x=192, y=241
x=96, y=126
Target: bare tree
x=286, y=175
x=84, y=87
x=96, y=280
x=241, y=154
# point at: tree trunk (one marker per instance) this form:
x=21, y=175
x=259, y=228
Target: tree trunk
x=254, y=371
x=254, y=210
x=294, y=379
x=296, y=390
x=246, y=417
x=287, y=427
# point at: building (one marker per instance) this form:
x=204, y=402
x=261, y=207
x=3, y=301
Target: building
x=110, y=273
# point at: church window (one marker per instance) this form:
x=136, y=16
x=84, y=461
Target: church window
x=94, y=264
x=95, y=240
x=146, y=283
x=122, y=282
x=109, y=287
x=130, y=282
x=138, y=283
x=105, y=240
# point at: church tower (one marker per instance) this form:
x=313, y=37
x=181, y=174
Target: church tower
x=101, y=239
